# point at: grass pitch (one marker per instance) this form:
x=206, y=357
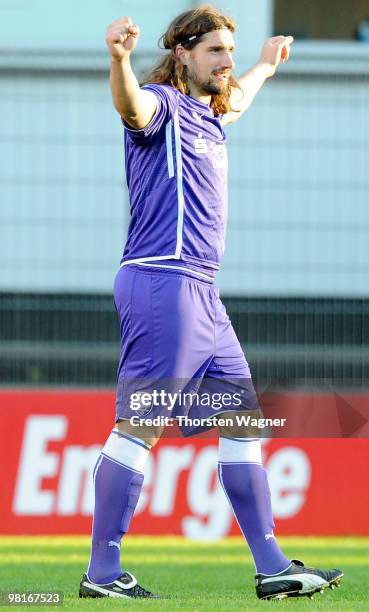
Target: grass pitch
x=188, y=575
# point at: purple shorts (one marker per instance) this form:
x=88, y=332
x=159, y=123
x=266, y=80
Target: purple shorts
x=176, y=337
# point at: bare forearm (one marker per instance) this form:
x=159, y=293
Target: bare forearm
x=275, y=51
x=251, y=82
x=135, y=105
x=124, y=87
x=132, y=103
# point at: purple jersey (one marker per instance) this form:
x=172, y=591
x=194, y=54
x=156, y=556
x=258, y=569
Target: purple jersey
x=176, y=171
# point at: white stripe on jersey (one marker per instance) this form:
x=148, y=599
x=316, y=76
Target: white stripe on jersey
x=180, y=197
x=168, y=140
x=177, y=139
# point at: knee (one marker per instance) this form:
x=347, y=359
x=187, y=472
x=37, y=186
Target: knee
x=148, y=433
x=238, y=424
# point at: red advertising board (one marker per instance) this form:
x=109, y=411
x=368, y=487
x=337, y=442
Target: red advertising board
x=50, y=441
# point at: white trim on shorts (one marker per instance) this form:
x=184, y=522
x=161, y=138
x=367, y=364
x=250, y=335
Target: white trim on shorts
x=152, y=265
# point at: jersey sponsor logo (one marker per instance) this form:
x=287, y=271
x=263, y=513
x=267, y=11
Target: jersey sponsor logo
x=219, y=155
x=201, y=146
x=218, y=151
x=218, y=148
x=219, y=163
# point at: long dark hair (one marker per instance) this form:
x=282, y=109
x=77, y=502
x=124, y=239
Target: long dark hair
x=169, y=69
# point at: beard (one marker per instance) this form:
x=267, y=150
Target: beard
x=209, y=87
x=213, y=87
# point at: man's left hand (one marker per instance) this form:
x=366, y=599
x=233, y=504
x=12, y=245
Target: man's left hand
x=276, y=51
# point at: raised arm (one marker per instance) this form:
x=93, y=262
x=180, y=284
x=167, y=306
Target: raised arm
x=135, y=105
x=275, y=51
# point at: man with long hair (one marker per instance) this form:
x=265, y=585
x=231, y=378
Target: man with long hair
x=174, y=328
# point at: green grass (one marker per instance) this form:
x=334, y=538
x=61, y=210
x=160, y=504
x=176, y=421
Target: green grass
x=191, y=576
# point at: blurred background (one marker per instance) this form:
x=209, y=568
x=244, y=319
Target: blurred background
x=295, y=274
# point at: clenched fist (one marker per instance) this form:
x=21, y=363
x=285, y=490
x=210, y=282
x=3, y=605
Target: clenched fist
x=276, y=51
x=121, y=38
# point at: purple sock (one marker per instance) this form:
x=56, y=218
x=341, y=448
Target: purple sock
x=246, y=486
x=117, y=490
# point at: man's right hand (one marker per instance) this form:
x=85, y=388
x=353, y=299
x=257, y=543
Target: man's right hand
x=121, y=38
x=137, y=106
